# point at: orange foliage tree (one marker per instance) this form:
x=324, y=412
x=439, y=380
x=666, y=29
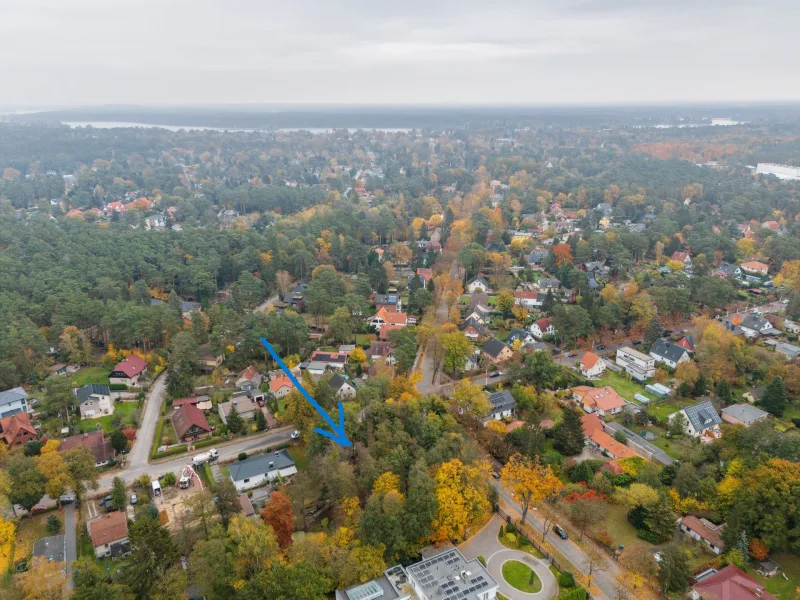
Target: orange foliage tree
x=278, y=515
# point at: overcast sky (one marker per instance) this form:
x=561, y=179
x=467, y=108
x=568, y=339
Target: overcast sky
x=151, y=52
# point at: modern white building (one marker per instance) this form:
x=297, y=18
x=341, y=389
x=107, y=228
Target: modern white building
x=638, y=365
x=13, y=401
x=780, y=171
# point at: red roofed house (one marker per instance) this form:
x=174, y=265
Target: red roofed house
x=75, y=212
x=591, y=423
x=543, y=327
x=384, y=317
x=604, y=401
x=107, y=531
x=527, y=299
x=383, y=334
x=17, y=430
x=592, y=365
x=249, y=379
x=730, y=583
x=687, y=342
x=128, y=370
x=603, y=442
x=95, y=441
x=704, y=531
x=682, y=257
x=425, y=274
x=190, y=423
x=113, y=207
x=753, y=267
x=281, y=386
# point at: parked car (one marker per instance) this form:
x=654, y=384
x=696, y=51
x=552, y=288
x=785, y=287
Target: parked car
x=39, y=508
x=495, y=474
x=134, y=499
x=495, y=374
x=67, y=499
x=295, y=434
x=572, y=355
x=559, y=531
x=637, y=342
x=601, y=346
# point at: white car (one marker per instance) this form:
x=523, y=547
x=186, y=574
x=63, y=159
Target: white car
x=295, y=434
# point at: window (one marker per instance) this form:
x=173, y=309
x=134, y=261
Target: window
x=247, y=481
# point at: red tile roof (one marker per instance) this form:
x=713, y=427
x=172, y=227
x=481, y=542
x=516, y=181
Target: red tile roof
x=11, y=427
x=249, y=373
x=590, y=424
x=603, y=398
x=94, y=440
x=701, y=529
x=109, y=528
x=608, y=443
x=680, y=256
x=131, y=366
x=544, y=323
x=589, y=360
x=187, y=416
x=279, y=382
x=183, y=401
x=731, y=584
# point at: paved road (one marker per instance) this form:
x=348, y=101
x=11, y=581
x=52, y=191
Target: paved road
x=228, y=452
x=70, y=533
x=568, y=549
x=485, y=543
x=140, y=453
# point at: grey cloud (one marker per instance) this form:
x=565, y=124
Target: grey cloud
x=73, y=52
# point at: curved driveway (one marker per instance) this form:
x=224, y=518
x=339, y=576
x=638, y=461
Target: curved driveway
x=485, y=544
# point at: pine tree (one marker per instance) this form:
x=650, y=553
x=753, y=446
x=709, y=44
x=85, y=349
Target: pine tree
x=660, y=519
x=774, y=398
x=653, y=330
x=234, y=420
x=568, y=435
x=261, y=420
x=724, y=392
x=175, y=304
x=548, y=303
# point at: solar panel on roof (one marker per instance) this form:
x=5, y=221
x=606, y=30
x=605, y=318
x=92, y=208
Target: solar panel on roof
x=366, y=591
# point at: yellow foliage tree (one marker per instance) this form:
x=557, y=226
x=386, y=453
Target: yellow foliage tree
x=746, y=247
x=50, y=446
x=462, y=495
x=386, y=483
x=497, y=427
x=468, y=399
x=44, y=580
x=789, y=275
x=53, y=467
x=357, y=356
x=529, y=480
x=7, y=531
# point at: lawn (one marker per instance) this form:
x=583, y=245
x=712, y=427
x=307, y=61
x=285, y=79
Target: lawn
x=675, y=447
x=300, y=457
x=365, y=339
x=521, y=576
x=30, y=530
x=124, y=408
x=627, y=388
x=91, y=375
x=622, y=532
x=778, y=586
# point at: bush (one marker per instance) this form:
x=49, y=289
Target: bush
x=511, y=539
x=171, y=452
x=169, y=479
x=574, y=594
x=602, y=537
x=482, y=561
x=118, y=387
x=566, y=579
x=53, y=525
x=796, y=421
x=242, y=456
x=206, y=442
x=510, y=528
x=648, y=536
x=502, y=531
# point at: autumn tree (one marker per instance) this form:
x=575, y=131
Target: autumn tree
x=462, y=498
x=455, y=350
x=529, y=480
x=774, y=400
x=278, y=514
x=505, y=301
x=469, y=400
x=562, y=254
x=44, y=580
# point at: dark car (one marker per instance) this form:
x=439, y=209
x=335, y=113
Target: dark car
x=559, y=531
x=637, y=343
x=572, y=355
x=495, y=474
x=494, y=374
x=666, y=333
x=601, y=347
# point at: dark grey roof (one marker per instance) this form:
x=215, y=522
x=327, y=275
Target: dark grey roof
x=518, y=334
x=337, y=381
x=637, y=440
x=479, y=279
x=549, y=282
x=668, y=350
x=386, y=298
x=752, y=321
x=747, y=413
x=12, y=395
x=481, y=329
x=757, y=392
x=52, y=548
x=537, y=256
x=259, y=465
x=91, y=389
x=702, y=415
x=502, y=401
x=493, y=347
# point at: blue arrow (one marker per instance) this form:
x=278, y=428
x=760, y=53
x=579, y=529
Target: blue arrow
x=338, y=435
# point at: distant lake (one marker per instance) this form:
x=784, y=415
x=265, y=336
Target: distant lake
x=313, y=130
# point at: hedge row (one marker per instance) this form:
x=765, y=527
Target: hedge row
x=206, y=442
x=118, y=387
x=171, y=452
x=157, y=438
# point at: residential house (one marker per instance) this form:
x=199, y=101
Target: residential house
x=791, y=326
x=704, y=531
x=478, y=285
x=502, y=406
x=447, y=571
x=598, y=439
x=59, y=369
x=13, y=401
x=199, y=402
x=537, y=257
x=604, y=208
x=474, y=330
x=108, y=532
x=603, y=401
x=245, y=407
x=687, y=342
x=280, y=386
x=638, y=443
x=94, y=400
x=638, y=365
x=683, y=257
x=496, y=351
x=753, y=395
x=17, y=430
x=754, y=267
x=378, y=349
x=520, y=334
x=95, y=441
x=729, y=583
x=753, y=326
x=335, y=360
x=389, y=302
x=480, y=302
x=52, y=548
x=548, y=284
x=790, y=351
x=190, y=423
x=591, y=365
x=249, y=379
x=128, y=371
x=297, y=297
x=383, y=318
x=700, y=418
x=542, y=328
x=727, y=271
x=670, y=354
x=425, y=275
x=743, y=414
x=209, y=360
x=528, y=299
x=342, y=388
x=157, y=222
x=260, y=469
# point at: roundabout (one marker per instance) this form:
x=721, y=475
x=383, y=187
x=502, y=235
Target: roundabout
x=521, y=576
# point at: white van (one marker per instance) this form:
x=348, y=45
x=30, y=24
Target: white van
x=156, y=488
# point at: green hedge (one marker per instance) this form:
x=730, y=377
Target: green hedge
x=157, y=438
x=208, y=475
x=171, y=452
x=118, y=387
x=566, y=579
x=205, y=443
